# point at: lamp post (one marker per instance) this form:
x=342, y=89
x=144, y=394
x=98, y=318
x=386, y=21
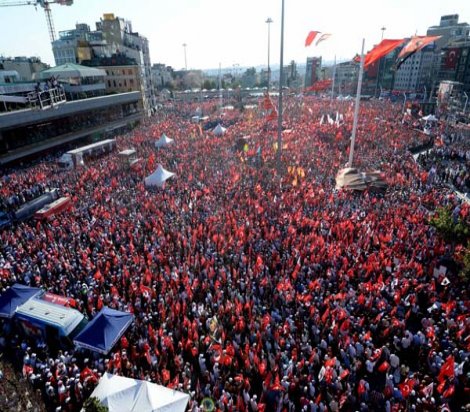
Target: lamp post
x=466, y=101
x=269, y=20
x=281, y=74
x=185, y=60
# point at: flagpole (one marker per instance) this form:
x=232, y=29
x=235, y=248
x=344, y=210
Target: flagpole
x=333, y=83
x=356, y=109
x=281, y=75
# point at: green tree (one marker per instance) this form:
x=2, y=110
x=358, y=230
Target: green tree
x=94, y=405
x=453, y=231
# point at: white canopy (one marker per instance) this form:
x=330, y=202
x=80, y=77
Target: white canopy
x=125, y=394
x=430, y=118
x=158, y=177
x=219, y=130
x=163, y=141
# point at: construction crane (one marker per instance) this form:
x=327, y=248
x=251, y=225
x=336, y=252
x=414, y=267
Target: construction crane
x=45, y=4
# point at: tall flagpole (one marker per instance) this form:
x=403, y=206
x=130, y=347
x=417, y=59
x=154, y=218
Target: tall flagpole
x=281, y=76
x=333, y=83
x=356, y=109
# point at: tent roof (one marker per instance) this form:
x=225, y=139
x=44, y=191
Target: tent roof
x=163, y=141
x=14, y=297
x=219, y=130
x=125, y=394
x=158, y=177
x=68, y=70
x=102, y=333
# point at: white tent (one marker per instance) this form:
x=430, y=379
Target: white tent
x=163, y=141
x=430, y=118
x=158, y=177
x=131, y=395
x=219, y=130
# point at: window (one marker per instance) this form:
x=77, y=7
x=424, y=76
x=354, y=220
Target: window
x=114, y=83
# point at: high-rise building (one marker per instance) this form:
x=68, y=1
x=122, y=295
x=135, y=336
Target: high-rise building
x=113, y=36
x=415, y=73
x=312, y=70
x=454, y=35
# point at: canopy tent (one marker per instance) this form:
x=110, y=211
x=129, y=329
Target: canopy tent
x=125, y=394
x=14, y=297
x=71, y=70
x=159, y=177
x=219, y=130
x=163, y=141
x=102, y=333
x=430, y=118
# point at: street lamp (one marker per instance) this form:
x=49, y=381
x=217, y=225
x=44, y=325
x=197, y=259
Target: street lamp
x=281, y=75
x=269, y=20
x=383, y=29
x=466, y=101
x=185, y=60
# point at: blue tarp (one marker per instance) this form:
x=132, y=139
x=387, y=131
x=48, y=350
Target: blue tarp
x=14, y=297
x=102, y=333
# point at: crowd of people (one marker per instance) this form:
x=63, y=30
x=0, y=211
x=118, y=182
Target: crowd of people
x=261, y=288
x=449, y=162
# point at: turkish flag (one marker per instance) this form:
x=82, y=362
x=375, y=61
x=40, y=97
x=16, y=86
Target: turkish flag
x=452, y=58
x=381, y=50
x=311, y=37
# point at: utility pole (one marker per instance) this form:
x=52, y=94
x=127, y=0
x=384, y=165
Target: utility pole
x=185, y=59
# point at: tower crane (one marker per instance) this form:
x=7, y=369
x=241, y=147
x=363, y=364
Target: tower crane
x=45, y=4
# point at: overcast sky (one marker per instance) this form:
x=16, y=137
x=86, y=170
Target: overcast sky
x=231, y=32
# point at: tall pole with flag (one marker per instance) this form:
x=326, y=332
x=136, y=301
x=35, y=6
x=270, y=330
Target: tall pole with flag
x=269, y=20
x=356, y=109
x=281, y=78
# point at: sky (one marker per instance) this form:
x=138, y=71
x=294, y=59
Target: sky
x=232, y=33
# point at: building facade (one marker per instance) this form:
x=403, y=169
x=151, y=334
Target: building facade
x=312, y=71
x=113, y=36
x=27, y=67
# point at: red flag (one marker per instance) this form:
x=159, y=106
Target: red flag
x=311, y=37
x=447, y=369
x=381, y=50
x=415, y=44
x=452, y=57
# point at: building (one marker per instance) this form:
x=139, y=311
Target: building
x=312, y=71
x=30, y=132
x=450, y=29
x=122, y=73
x=454, y=34
x=455, y=64
x=113, y=36
x=415, y=73
x=346, y=76
x=291, y=76
x=118, y=34
x=162, y=76
x=27, y=67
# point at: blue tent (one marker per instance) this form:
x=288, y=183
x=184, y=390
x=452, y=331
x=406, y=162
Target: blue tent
x=14, y=297
x=102, y=333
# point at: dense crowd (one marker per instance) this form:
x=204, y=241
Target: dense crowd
x=264, y=289
x=449, y=162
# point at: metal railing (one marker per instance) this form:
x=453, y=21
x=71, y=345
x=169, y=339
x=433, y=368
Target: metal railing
x=46, y=99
